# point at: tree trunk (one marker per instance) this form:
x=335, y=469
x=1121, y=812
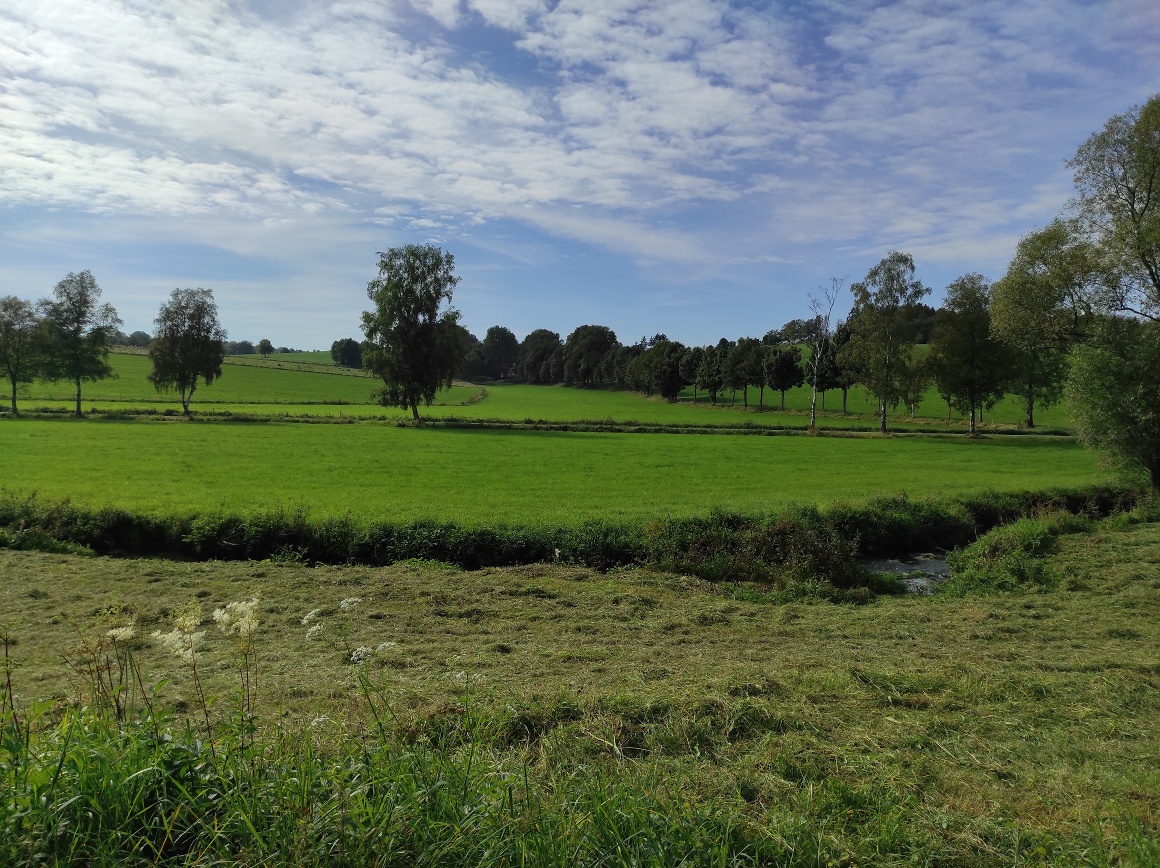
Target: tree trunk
x=882, y=417
x=761, y=396
x=783, y=403
x=415, y=411
x=823, y=402
x=694, y=393
x=948, y=409
x=845, y=391
x=971, y=430
x=745, y=396
x=1030, y=406
x=15, y=412
x=813, y=405
x=79, y=397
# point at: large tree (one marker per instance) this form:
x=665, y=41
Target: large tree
x=501, y=350
x=188, y=345
x=1113, y=390
x=265, y=347
x=1117, y=177
x=536, y=356
x=710, y=375
x=79, y=329
x=346, y=353
x=822, y=363
x=21, y=343
x=883, y=329
x=970, y=366
x=584, y=350
x=412, y=340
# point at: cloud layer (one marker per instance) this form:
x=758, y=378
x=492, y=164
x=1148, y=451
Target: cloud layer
x=690, y=132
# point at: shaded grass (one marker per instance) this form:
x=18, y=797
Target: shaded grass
x=558, y=710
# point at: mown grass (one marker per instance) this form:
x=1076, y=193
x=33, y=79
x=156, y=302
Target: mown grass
x=562, y=716
x=501, y=476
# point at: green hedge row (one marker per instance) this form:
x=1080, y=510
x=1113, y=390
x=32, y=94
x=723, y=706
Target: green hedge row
x=798, y=543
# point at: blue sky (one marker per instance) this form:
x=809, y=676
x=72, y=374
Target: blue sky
x=687, y=167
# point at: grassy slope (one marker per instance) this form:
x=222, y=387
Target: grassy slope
x=501, y=476
x=954, y=726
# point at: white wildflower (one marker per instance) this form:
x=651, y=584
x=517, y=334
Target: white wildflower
x=122, y=634
x=315, y=631
x=310, y=616
x=349, y=603
x=188, y=618
x=319, y=721
x=238, y=618
x=384, y=646
x=361, y=655
x=180, y=643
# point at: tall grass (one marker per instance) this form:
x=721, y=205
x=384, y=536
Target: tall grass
x=794, y=546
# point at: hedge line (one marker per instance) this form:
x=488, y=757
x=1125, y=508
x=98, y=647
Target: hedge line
x=798, y=543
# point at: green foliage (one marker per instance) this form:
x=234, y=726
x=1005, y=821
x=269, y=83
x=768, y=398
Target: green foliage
x=346, y=352
x=583, y=352
x=1117, y=174
x=536, y=354
x=79, y=332
x=1114, y=394
x=411, y=344
x=189, y=344
x=883, y=329
x=22, y=343
x=1012, y=557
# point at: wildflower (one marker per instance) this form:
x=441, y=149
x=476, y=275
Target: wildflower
x=349, y=603
x=383, y=646
x=310, y=616
x=238, y=618
x=314, y=632
x=180, y=643
x=361, y=655
x=122, y=634
x=319, y=721
x=188, y=618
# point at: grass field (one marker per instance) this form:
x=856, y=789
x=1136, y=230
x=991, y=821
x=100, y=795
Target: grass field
x=502, y=476
x=301, y=384
x=566, y=705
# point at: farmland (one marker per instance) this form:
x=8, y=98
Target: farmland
x=579, y=713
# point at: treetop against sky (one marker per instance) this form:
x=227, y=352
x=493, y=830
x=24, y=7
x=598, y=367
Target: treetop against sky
x=646, y=165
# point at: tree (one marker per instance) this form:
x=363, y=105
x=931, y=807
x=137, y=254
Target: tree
x=536, y=355
x=584, y=350
x=784, y=369
x=139, y=339
x=1117, y=177
x=821, y=336
x=709, y=374
x=501, y=350
x=913, y=381
x=79, y=328
x=690, y=366
x=1114, y=393
x=265, y=347
x=883, y=330
x=969, y=365
x=346, y=353
x=21, y=343
x=188, y=345
x=1042, y=307
x=411, y=344
x=665, y=368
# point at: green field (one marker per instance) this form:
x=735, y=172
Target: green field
x=307, y=386
x=502, y=476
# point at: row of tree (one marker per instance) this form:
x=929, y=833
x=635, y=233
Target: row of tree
x=68, y=337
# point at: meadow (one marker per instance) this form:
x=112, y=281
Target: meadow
x=500, y=476
x=551, y=715
x=306, y=385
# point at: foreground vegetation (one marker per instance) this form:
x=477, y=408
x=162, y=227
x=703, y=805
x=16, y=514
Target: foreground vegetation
x=552, y=715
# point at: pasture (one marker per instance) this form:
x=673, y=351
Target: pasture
x=306, y=385
x=501, y=476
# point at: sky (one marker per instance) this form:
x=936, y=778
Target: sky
x=688, y=167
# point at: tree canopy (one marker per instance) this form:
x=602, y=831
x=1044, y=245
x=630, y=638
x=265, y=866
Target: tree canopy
x=412, y=339
x=346, y=353
x=21, y=343
x=189, y=343
x=79, y=330
x=883, y=329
